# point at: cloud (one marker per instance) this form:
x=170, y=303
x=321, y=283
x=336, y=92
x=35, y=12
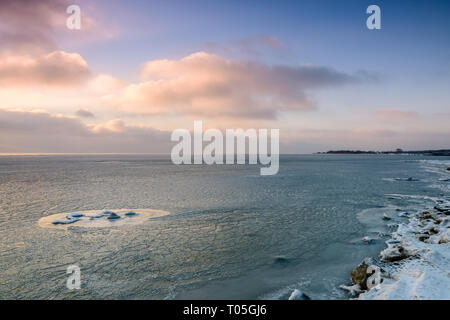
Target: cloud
x=22, y=131
x=116, y=125
x=33, y=27
x=208, y=85
x=105, y=83
x=26, y=24
x=39, y=131
x=391, y=114
x=57, y=68
x=83, y=113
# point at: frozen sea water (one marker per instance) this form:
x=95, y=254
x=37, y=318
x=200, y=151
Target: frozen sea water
x=229, y=232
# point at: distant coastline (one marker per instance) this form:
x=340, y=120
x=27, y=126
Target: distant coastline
x=440, y=152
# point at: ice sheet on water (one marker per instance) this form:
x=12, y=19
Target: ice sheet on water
x=107, y=218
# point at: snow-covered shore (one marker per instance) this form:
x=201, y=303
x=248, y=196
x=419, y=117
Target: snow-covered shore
x=416, y=262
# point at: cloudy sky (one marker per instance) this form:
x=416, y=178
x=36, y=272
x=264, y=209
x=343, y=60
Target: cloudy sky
x=139, y=69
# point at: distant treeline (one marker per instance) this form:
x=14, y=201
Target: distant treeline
x=441, y=152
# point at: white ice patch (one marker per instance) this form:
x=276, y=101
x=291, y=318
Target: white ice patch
x=94, y=219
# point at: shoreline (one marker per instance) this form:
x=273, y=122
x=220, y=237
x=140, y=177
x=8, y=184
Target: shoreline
x=415, y=263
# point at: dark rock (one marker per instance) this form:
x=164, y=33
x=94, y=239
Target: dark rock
x=433, y=231
x=443, y=210
x=425, y=215
x=359, y=275
x=281, y=260
x=406, y=179
x=74, y=215
x=367, y=240
x=69, y=221
x=305, y=297
x=113, y=216
x=396, y=253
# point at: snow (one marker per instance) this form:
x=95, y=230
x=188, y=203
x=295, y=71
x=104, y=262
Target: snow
x=416, y=262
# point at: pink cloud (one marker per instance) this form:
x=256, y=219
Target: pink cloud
x=116, y=125
x=211, y=86
x=391, y=114
x=105, y=83
x=34, y=27
x=57, y=68
x=29, y=25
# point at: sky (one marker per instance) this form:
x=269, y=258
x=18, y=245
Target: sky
x=137, y=70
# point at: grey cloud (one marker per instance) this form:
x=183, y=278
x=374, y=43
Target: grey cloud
x=42, y=132
x=27, y=24
x=83, y=113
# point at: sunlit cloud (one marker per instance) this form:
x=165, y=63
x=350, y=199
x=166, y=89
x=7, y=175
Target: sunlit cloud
x=57, y=68
x=105, y=83
x=208, y=85
x=116, y=125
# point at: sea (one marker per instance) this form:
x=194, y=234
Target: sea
x=228, y=232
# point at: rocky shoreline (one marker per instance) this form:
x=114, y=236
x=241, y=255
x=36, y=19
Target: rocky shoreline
x=415, y=263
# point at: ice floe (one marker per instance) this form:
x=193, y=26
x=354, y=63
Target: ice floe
x=106, y=218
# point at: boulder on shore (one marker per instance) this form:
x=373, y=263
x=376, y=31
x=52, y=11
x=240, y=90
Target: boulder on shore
x=395, y=252
x=359, y=275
